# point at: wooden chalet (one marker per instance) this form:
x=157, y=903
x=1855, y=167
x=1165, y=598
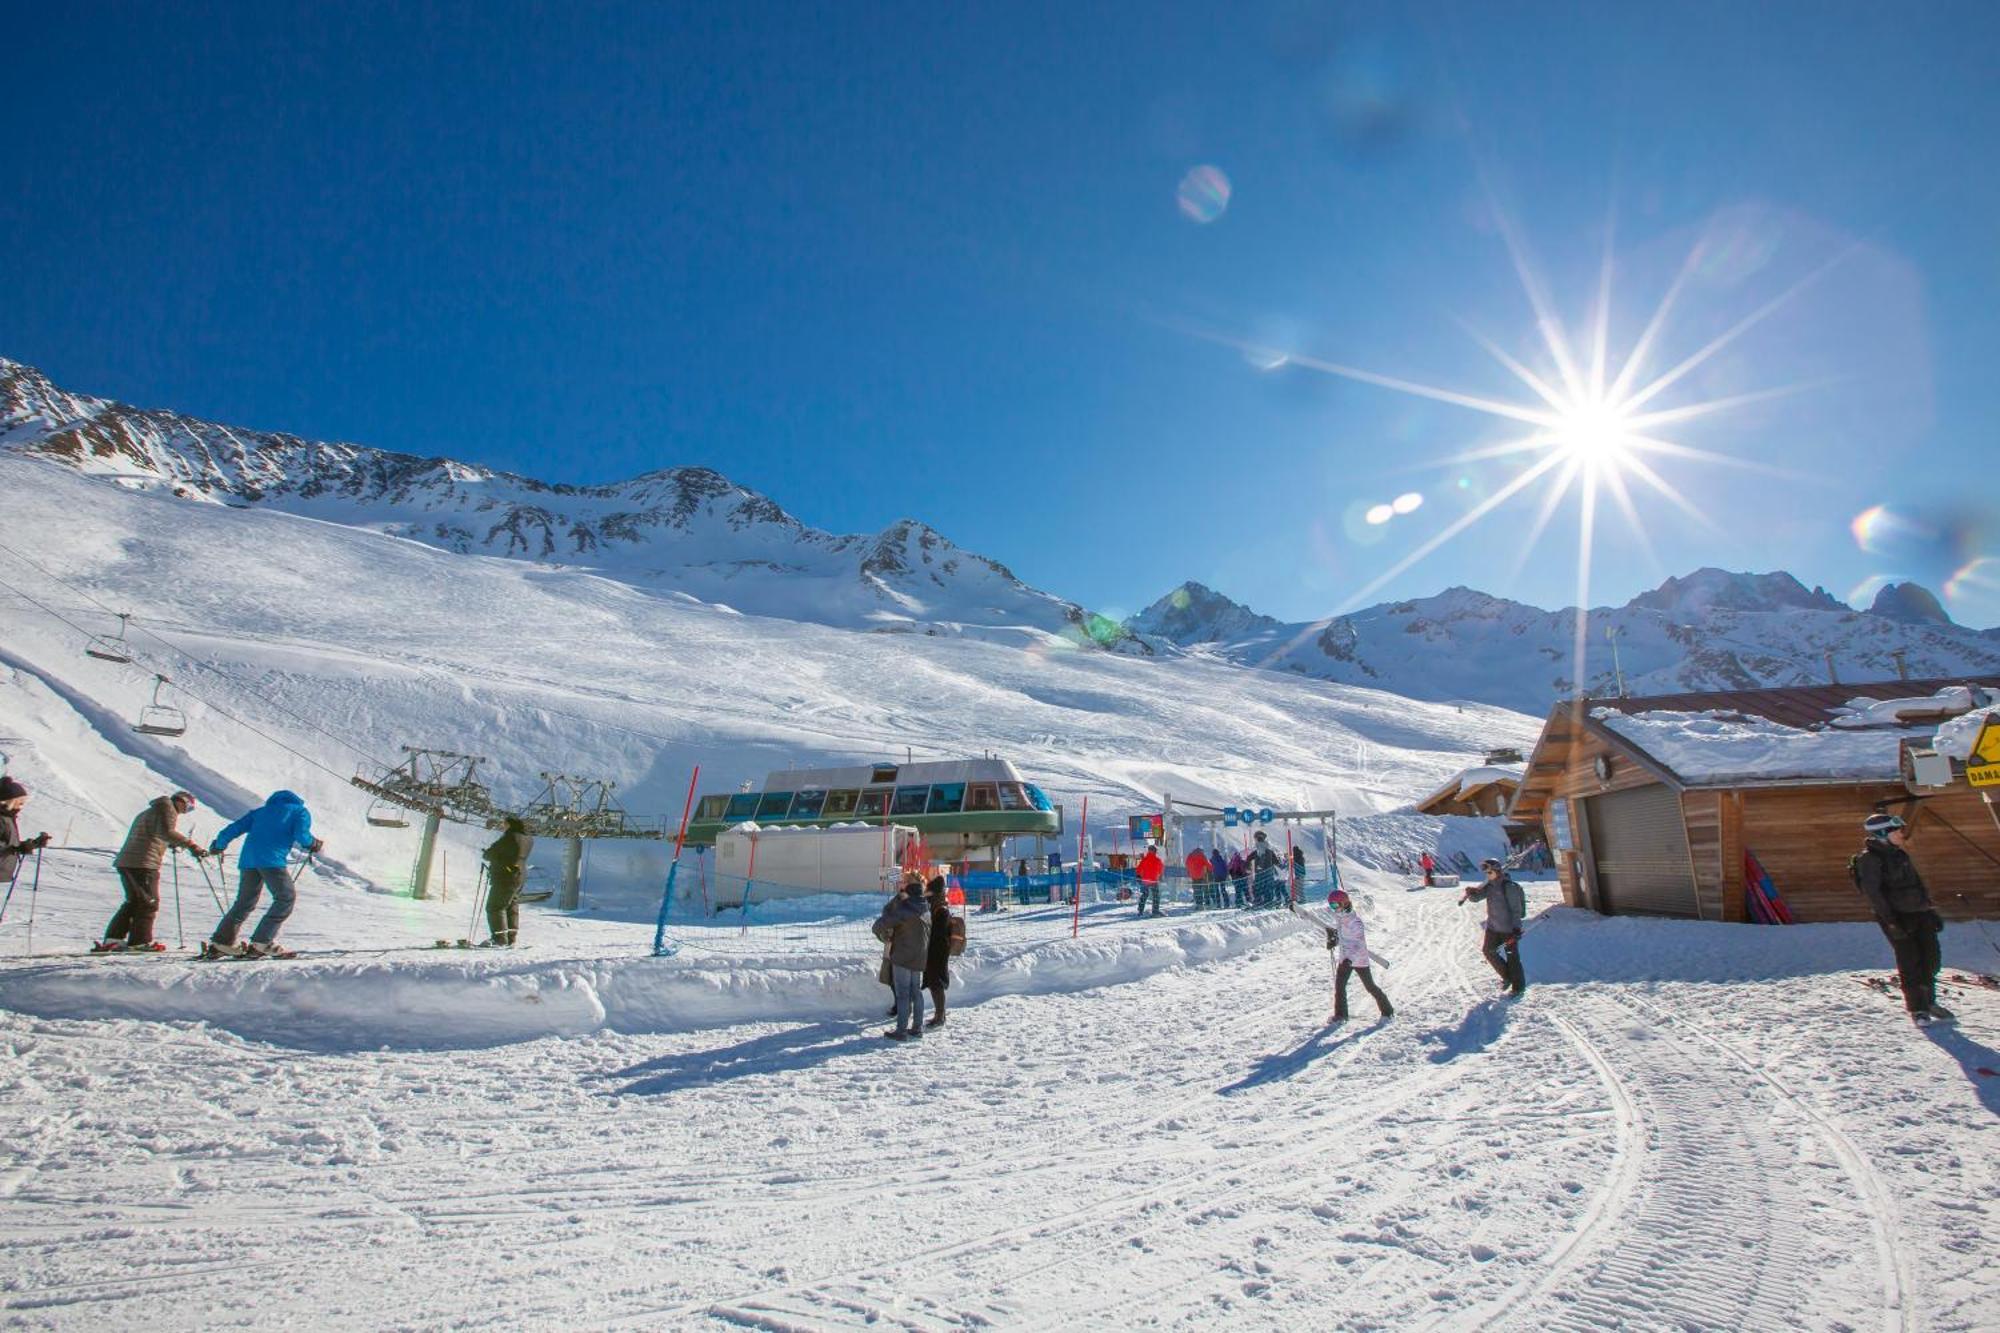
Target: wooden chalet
x=1485, y=790
x=1649, y=804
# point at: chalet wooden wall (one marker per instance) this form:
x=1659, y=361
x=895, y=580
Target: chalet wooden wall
x=1805, y=835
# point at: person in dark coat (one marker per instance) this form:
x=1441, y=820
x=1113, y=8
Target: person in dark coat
x=1298, y=873
x=1506, y=918
x=905, y=926
x=937, y=962
x=506, y=866
x=13, y=798
x=1888, y=879
x=1264, y=869
x=1239, y=876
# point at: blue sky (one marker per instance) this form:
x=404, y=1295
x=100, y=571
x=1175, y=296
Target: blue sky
x=883, y=259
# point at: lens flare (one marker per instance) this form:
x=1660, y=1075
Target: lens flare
x=1973, y=590
x=1380, y=514
x=1407, y=503
x=1204, y=194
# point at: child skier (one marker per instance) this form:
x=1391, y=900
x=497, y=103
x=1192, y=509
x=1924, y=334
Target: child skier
x=1349, y=938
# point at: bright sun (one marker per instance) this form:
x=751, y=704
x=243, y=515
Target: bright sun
x=1593, y=435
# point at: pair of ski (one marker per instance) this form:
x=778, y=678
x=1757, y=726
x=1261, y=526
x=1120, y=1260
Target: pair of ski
x=211, y=954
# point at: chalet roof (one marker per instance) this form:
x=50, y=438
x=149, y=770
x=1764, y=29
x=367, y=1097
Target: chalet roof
x=1787, y=734
x=1787, y=705
x=1468, y=783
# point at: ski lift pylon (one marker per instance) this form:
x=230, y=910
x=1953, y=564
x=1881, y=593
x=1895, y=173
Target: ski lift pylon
x=161, y=719
x=111, y=647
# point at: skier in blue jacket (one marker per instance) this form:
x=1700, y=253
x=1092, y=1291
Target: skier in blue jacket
x=269, y=833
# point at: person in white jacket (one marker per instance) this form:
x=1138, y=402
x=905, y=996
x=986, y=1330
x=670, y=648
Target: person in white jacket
x=1349, y=938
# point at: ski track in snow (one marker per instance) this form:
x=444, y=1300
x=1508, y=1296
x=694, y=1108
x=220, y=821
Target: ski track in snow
x=1189, y=1149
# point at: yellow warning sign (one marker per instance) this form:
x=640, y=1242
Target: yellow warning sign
x=1982, y=766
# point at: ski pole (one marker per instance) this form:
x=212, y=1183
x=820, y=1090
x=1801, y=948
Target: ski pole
x=10, y=888
x=478, y=896
x=180, y=935
x=213, y=892
x=34, y=895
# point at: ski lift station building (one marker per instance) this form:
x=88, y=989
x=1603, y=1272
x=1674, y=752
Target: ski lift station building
x=1650, y=805
x=964, y=809
x=796, y=861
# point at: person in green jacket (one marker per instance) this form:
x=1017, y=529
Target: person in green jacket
x=506, y=865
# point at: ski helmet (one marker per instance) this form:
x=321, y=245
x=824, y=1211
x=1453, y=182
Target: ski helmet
x=1491, y=863
x=1339, y=901
x=1881, y=826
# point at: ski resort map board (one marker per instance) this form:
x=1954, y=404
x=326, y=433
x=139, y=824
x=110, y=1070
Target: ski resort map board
x=1982, y=766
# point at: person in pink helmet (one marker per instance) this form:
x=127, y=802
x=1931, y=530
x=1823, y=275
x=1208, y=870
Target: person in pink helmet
x=1347, y=937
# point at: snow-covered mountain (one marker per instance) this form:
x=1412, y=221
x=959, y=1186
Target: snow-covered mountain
x=687, y=529
x=1712, y=629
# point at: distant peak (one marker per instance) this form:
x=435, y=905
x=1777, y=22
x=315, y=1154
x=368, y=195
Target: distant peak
x=1910, y=603
x=1196, y=613
x=1711, y=589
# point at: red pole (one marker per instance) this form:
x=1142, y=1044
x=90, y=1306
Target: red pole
x=1076, y=911
x=686, y=810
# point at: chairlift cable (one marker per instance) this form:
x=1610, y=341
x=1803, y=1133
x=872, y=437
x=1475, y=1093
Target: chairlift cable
x=179, y=652
x=192, y=694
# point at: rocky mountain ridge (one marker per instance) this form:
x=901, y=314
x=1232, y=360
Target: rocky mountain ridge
x=688, y=529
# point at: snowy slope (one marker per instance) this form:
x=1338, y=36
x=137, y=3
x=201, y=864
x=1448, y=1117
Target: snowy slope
x=309, y=651
x=1710, y=630
x=688, y=529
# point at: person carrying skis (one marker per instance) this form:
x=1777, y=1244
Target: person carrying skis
x=1506, y=917
x=1348, y=939
x=1149, y=870
x=1429, y=865
x=156, y=829
x=13, y=799
x=905, y=926
x=1264, y=866
x=1888, y=879
x=269, y=833
x=506, y=860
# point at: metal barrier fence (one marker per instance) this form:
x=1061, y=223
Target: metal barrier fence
x=730, y=915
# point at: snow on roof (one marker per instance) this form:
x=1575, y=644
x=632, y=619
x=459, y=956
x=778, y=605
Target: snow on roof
x=1956, y=737
x=1715, y=747
x=1947, y=702
x=1465, y=780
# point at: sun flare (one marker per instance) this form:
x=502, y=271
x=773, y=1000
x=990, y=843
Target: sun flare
x=1594, y=435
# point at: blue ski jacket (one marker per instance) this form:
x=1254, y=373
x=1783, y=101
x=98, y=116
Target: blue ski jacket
x=273, y=829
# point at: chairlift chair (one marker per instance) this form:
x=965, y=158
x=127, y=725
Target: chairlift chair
x=383, y=814
x=110, y=647
x=160, y=719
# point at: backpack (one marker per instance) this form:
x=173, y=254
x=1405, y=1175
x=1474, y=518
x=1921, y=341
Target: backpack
x=957, y=936
x=1517, y=900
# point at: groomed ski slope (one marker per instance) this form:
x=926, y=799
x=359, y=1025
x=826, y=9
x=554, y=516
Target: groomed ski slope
x=1682, y=1125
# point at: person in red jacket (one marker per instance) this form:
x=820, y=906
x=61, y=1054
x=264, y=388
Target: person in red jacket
x=1197, y=868
x=1430, y=865
x=1150, y=868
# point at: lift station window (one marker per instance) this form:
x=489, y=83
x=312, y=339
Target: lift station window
x=982, y=796
x=947, y=798
x=711, y=807
x=741, y=806
x=773, y=804
x=807, y=805
x=883, y=775
x=911, y=800
x=874, y=803
x=1041, y=802
x=1012, y=797
x=839, y=803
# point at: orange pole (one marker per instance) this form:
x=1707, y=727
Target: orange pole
x=687, y=809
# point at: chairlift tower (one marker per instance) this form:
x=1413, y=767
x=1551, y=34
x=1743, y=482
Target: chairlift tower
x=439, y=785
x=574, y=808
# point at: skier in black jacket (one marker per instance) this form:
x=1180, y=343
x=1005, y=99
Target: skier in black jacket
x=506, y=865
x=1888, y=879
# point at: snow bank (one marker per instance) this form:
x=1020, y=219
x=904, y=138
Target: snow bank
x=420, y=999
x=1957, y=737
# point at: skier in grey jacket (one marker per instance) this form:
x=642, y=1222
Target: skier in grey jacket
x=1506, y=916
